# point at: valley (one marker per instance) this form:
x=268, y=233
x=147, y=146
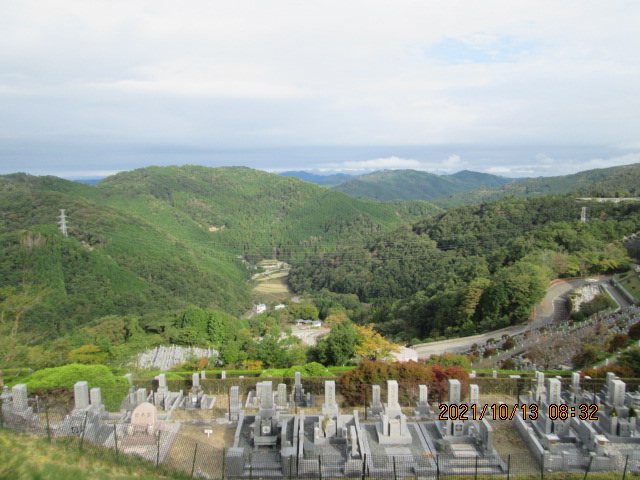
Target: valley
x=142, y=266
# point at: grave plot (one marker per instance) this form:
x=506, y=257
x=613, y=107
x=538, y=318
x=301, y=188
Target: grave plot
x=574, y=430
x=275, y=443
x=465, y=445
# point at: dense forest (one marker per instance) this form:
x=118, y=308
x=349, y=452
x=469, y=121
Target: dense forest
x=162, y=239
x=473, y=268
x=165, y=255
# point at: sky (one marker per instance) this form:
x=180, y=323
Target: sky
x=515, y=88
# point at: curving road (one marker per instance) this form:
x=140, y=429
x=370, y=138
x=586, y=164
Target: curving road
x=551, y=309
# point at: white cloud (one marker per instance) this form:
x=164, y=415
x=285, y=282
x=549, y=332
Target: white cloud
x=250, y=73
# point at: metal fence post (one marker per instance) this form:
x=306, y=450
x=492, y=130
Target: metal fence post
x=438, y=467
x=320, y=467
x=115, y=439
x=364, y=465
x=588, y=468
x=84, y=426
x=158, y=449
x=626, y=464
x=193, y=464
x=508, y=466
x=224, y=461
x=475, y=477
x=46, y=414
x=395, y=474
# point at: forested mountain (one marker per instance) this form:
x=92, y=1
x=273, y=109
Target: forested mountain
x=475, y=267
x=603, y=182
x=388, y=185
x=324, y=180
x=159, y=239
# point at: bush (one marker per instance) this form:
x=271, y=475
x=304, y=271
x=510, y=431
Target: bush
x=113, y=388
x=354, y=385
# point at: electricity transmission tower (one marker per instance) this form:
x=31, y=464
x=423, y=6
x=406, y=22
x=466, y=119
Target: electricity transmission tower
x=63, y=223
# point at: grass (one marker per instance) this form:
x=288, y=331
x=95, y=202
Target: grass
x=23, y=457
x=632, y=284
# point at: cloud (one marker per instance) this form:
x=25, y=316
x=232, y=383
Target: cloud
x=451, y=164
x=244, y=75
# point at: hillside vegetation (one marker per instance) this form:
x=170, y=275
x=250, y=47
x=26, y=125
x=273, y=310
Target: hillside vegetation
x=474, y=268
x=389, y=185
x=603, y=182
x=161, y=239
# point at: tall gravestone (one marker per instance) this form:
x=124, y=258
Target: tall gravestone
x=474, y=394
x=81, y=395
x=422, y=407
x=554, y=390
x=234, y=403
x=376, y=400
x=330, y=407
x=282, y=396
x=455, y=391
x=617, y=393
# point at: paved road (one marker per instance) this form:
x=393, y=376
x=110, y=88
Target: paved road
x=551, y=309
x=308, y=335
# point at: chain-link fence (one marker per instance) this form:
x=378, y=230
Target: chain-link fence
x=172, y=447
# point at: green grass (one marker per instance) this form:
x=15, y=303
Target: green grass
x=24, y=457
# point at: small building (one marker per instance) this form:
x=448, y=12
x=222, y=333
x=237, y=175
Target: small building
x=261, y=308
x=280, y=306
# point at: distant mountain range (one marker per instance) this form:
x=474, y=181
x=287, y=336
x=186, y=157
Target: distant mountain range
x=323, y=180
x=389, y=185
x=467, y=187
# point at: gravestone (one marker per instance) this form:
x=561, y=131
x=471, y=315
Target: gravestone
x=81, y=395
x=616, y=393
x=19, y=398
x=282, y=395
x=129, y=378
x=144, y=415
x=141, y=395
x=203, y=374
x=223, y=374
x=392, y=407
x=554, y=391
x=195, y=382
x=575, y=382
x=474, y=394
x=423, y=407
x=330, y=407
x=376, y=402
x=234, y=403
x=95, y=398
x=454, y=391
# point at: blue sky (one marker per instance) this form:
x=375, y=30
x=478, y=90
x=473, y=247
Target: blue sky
x=527, y=88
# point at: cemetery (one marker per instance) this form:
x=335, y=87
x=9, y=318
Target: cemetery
x=281, y=430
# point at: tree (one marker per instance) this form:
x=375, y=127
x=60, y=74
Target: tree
x=18, y=301
x=372, y=345
x=631, y=359
x=338, y=347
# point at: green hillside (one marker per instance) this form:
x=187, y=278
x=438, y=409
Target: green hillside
x=162, y=239
x=473, y=268
x=602, y=182
x=251, y=212
x=415, y=185
x=112, y=262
